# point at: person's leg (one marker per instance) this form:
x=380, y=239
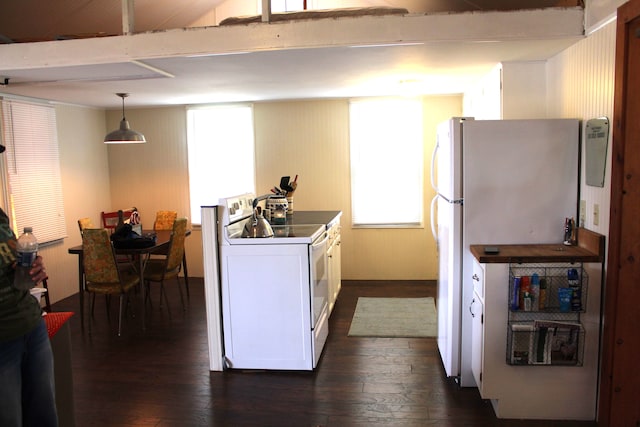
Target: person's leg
x=38, y=388
x=11, y=382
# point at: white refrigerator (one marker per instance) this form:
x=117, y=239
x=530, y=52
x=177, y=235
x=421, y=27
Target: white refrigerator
x=497, y=182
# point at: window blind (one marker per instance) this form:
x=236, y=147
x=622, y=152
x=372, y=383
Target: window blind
x=33, y=185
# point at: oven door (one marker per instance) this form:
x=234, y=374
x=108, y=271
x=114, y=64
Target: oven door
x=319, y=283
x=319, y=278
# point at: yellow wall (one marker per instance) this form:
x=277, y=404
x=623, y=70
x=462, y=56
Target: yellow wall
x=308, y=138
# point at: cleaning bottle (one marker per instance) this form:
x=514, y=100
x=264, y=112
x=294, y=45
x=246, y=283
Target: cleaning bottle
x=535, y=291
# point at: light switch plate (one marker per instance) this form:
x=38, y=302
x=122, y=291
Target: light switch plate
x=583, y=213
x=596, y=214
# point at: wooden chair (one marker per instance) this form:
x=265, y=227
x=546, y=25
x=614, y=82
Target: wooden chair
x=47, y=299
x=110, y=219
x=168, y=267
x=43, y=292
x=164, y=220
x=102, y=275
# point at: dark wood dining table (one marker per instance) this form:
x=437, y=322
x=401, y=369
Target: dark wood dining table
x=141, y=255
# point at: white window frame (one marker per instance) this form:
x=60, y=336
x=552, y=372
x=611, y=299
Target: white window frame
x=32, y=190
x=387, y=162
x=221, y=154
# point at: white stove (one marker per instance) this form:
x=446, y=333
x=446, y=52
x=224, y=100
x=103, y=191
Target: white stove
x=238, y=210
x=273, y=291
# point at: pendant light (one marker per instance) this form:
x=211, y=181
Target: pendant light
x=124, y=135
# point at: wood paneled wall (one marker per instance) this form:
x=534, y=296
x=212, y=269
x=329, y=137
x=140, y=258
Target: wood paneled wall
x=308, y=138
x=580, y=84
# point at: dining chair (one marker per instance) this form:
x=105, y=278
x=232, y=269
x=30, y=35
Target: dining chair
x=102, y=275
x=110, y=219
x=169, y=266
x=85, y=223
x=41, y=290
x=164, y=220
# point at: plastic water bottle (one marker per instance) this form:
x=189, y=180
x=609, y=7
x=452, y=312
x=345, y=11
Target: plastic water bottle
x=27, y=251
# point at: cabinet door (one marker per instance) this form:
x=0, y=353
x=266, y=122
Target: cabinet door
x=477, y=327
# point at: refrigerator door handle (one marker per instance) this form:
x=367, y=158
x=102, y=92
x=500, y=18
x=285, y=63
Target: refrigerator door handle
x=433, y=222
x=433, y=166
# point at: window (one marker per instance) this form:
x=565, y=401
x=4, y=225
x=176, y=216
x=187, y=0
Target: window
x=287, y=5
x=221, y=154
x=31, y=165
x=386, y=162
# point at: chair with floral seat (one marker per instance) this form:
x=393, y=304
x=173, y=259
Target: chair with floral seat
x=102, y=275
x=85, y=223
x=169, y=266
x=164, y=220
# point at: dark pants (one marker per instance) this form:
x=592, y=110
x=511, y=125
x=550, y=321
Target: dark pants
x=27, y=391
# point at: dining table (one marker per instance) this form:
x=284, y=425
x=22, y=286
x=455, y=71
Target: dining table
x=140, y=255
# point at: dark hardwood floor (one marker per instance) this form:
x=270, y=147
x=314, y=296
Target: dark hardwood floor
x=160, y=377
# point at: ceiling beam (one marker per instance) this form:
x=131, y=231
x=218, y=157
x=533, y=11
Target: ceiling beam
x=541, y=24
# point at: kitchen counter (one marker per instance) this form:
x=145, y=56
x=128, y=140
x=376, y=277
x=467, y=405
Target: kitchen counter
x=590, y=248
x=313, y=217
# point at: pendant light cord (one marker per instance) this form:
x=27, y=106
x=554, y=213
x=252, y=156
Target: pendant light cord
x=123, y=96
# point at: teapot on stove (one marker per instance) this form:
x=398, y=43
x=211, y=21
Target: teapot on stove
x=257, y=225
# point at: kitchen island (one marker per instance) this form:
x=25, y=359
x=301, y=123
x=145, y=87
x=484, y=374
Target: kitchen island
x=519, y=360
x=268, y=298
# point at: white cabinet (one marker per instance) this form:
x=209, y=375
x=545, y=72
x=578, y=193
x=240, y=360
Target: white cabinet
x=529, y=392
x=548, y=388
x=334, y=257
x=266, y=307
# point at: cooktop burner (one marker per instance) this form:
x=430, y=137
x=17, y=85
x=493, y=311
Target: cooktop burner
x=282, y=234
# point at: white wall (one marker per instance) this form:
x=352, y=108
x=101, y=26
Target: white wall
x=511, y=90
x=580, y=85
x=524, y=90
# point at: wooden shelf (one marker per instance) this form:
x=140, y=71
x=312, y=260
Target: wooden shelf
x=590, y=248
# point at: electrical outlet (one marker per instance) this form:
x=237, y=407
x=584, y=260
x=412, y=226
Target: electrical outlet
x=583, y=213
x=596, y=214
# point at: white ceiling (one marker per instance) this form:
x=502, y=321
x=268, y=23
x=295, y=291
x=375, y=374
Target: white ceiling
x=303, y=60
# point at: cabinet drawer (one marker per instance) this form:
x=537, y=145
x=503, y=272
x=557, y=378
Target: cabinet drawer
x=477, y=278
